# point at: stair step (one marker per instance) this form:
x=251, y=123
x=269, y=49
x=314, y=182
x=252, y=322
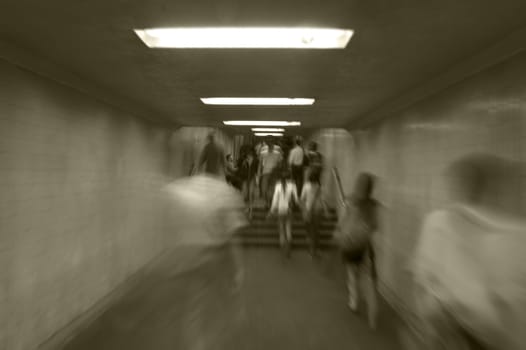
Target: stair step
x=301, y=235
x=295, y=226
x=263, y=213
x=275, y=231
x=276, y=243
x=262, y=209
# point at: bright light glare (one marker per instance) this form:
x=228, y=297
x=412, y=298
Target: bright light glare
x=268, y=129
x=268, y=134
x=244, y=38
x=257, y=101
x=260, y=123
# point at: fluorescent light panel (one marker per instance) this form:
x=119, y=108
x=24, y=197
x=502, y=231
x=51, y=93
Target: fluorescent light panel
x=245, y=38
x=268, y=134
x=260, y=123
x=268, y=129
x=257, y=101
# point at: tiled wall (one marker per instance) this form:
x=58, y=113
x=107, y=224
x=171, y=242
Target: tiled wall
x=79, y=209
x=409, y=151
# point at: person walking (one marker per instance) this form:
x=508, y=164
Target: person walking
x=285, y=196
x=212, y=157
x=268, y=165
x=248, y=171
x=315, y=162
x=296, y=163
x=354, y=233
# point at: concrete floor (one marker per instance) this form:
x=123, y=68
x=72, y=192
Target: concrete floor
x=284, y=304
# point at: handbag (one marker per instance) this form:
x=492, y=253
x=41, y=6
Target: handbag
x=354, y=232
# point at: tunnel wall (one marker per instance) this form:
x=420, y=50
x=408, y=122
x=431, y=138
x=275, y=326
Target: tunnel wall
x=338, y=150
x=410, y=150
x=79, y=204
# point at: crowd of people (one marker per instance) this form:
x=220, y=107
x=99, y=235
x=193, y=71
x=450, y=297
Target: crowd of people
x=468, y=266
x=286, y=178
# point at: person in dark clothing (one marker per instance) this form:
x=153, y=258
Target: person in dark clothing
x=247, y=172
x=315, y=162
x=355, y=231
x=212, y=157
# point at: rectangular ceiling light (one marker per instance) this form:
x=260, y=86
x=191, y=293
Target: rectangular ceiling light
x=257, y=101
x=268, y=129
x=260, y=123
x=268, y=134
x=246, y=38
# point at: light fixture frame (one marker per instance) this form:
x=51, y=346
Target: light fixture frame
x=257, y=101
x=262, y=123
x=245, y=37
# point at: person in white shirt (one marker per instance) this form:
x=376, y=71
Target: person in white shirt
x=284, y=197
x=296, y=158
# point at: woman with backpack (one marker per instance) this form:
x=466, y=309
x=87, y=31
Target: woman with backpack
x=285, y=196
x=354, y=233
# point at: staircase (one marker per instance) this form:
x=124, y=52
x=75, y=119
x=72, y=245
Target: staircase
x=263, y=232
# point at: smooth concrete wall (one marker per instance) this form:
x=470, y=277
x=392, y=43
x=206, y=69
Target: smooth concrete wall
x=409, y=151
x=79, y=208
x=338, y=150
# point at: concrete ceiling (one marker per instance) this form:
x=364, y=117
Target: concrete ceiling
x=397, y=45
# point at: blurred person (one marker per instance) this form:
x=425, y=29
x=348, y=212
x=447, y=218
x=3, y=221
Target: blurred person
x=231, y=172
x=258, y=148
x=285, y=196
x=296, y=163
x=469, y=267
x=258, y=151
x=206, y=213
x=354, y=233
x=212, y=157
x=248, y=171
x=315, y=162
x=313, y=207
x=268, y=165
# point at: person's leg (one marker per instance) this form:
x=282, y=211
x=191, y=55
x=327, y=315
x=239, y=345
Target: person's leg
x=315, y=222
x=282, y=234
x=244, y=190
x=297, y=176
x=288, y=231
x=301, y=174
x=250, y=191
x=310, y=233
x=270, y=187
x=352, y=285
x=368, y=285
x=265, y=188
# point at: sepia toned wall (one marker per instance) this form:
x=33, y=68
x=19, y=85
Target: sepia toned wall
x=79, y=208
x=409, y=152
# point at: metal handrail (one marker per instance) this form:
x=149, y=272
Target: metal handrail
x=339, y=187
